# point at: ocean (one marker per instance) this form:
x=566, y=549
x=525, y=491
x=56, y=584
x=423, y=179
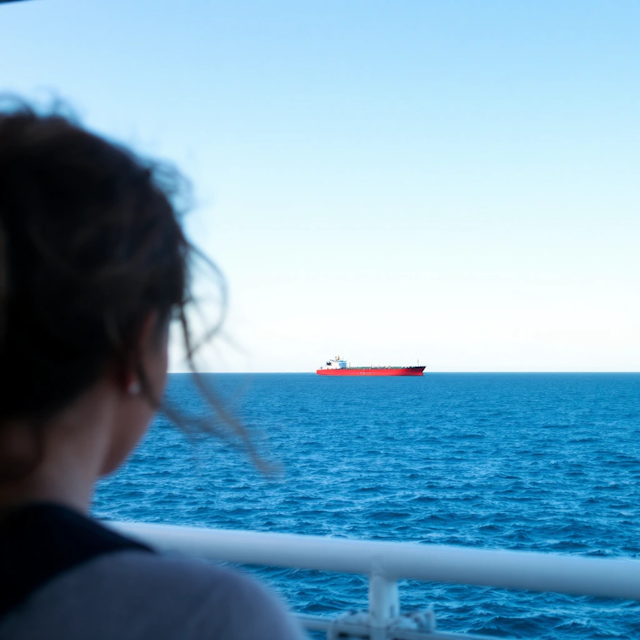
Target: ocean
x=535, y=462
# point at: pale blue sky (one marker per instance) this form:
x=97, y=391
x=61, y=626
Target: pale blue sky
x=455, y=181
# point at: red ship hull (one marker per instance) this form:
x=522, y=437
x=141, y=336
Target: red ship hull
x=372, y=371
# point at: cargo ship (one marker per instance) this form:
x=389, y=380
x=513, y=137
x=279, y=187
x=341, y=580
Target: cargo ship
x=338, y=367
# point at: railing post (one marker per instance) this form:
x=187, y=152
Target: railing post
x=383, y=604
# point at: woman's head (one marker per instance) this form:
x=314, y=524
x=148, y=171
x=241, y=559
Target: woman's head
x=93, y=265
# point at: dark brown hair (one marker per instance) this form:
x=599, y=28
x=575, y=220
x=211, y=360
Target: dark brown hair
x=90, y=244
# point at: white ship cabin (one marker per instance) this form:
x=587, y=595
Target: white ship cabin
x=336, y=363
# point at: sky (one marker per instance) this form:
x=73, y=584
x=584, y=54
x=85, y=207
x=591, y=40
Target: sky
x=450, y=181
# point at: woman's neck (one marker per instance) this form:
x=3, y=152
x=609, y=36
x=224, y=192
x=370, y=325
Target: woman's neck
x=74, y=448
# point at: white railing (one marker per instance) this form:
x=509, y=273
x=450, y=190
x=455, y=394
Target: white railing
x=387, y=562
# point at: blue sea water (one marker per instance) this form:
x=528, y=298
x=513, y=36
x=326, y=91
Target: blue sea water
x=537, y=462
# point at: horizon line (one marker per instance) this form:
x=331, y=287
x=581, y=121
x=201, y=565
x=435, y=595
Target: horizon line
x=424, y=375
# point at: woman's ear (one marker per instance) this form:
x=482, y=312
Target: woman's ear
x=149, y=331
x=142, y=385
x=153, y=345
x=143, y=370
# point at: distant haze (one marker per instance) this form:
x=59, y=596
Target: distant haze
x=454, y=181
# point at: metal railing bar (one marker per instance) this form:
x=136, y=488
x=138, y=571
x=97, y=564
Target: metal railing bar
x=610, y=578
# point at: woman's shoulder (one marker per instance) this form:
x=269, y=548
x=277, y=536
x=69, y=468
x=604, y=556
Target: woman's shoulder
x=133, y=594
x=222, y=585
x=234, y=602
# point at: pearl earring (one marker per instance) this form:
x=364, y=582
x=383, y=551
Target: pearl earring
x=133, y=388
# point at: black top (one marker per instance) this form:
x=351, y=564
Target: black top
x=40, y=541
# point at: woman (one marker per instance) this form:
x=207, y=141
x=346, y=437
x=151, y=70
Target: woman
x=93, y=267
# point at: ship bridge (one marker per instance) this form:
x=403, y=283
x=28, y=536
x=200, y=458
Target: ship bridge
x=336, y=363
